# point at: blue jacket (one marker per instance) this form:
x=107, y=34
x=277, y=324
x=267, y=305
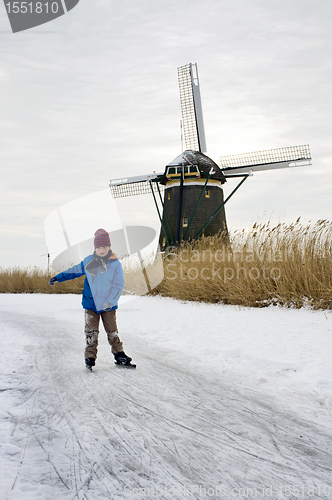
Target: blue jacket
x=102, y=284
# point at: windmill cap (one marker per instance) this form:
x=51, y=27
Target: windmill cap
x=203, y=162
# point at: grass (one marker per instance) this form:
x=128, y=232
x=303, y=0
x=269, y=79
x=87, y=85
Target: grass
x=289, y=265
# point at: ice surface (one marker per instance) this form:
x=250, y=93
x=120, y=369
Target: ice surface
x=225, y=402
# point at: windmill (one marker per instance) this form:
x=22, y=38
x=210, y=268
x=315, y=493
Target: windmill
x=193, y=203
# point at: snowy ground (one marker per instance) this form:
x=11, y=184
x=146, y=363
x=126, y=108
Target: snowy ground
x=224, y=403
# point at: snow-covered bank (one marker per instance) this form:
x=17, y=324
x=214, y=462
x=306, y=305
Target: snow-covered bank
x=233, y=399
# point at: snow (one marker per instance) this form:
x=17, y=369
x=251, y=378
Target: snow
x=225, y=402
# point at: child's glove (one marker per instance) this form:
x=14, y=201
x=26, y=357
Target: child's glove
x=52, y=281
x=107, y=306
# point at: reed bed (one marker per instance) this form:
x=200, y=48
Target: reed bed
x=143, y=277
x=288, y=265
x=35, y=280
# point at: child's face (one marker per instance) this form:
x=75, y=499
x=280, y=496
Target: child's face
x=102, y=251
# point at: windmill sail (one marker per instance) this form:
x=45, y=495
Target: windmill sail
x=191, y=108
x=133, y=186
x=271, y=159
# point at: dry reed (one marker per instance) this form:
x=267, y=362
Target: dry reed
x=285, y=265
x=289, y=265
x=34, y=280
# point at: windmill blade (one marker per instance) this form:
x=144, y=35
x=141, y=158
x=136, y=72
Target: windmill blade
x=271, y=159
x=191, y=108
x=133, y=186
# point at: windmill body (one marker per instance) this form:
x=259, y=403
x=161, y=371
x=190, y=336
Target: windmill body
x=193, y=203
x=193, y=192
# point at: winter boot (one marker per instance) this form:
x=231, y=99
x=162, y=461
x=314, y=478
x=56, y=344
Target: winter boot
x=89, y=363
x=121, y=358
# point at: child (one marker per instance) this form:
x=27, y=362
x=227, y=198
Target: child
x=103, y=286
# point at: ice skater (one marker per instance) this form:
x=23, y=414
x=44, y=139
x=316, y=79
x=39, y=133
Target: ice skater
x=103, y=286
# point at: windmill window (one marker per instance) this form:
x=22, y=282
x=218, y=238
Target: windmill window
x=185, y=221
x=168, y=195
x=207, y=193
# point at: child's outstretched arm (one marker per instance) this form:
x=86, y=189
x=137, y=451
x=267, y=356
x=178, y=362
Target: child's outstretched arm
x=70, y=274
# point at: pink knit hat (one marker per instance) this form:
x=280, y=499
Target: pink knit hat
x=102, y=238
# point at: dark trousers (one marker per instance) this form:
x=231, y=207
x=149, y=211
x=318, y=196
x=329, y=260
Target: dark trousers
x=92, y=320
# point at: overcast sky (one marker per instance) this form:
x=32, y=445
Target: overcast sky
x=93, y=95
